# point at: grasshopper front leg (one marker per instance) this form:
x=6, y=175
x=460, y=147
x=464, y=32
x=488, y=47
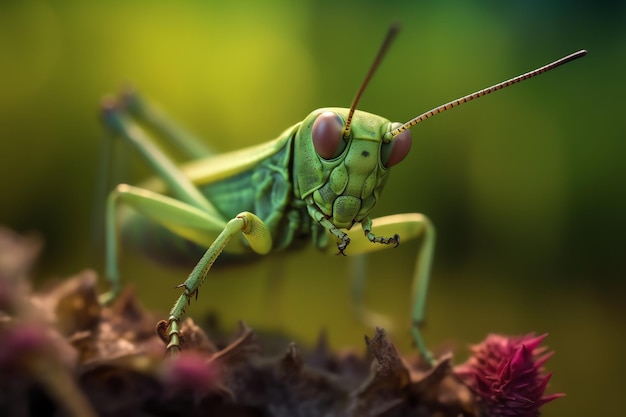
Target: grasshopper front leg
x=255, y=232
x=344, y=238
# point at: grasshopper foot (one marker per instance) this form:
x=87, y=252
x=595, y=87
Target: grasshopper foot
x=108, y=297
x=393, y=240
x=169, y=332
x=343, y=245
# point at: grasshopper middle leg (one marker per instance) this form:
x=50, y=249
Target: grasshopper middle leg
x=408, y=226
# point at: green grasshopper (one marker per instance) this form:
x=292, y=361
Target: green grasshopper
x=310, y=185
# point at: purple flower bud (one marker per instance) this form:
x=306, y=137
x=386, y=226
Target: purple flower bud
x=22, y=342
x=507, y=375
x=190, y=371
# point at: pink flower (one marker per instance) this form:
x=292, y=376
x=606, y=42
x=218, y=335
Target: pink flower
x=22, y=343
x=507, y=375
x=190, y=371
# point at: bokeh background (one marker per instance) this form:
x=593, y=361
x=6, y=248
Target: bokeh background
x=526, y=187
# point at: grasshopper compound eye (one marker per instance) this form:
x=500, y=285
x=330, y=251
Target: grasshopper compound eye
x=394, y=151
x=327, y=134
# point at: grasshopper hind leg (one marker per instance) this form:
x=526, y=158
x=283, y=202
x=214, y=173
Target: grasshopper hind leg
x=151, y=116
x=258, y=236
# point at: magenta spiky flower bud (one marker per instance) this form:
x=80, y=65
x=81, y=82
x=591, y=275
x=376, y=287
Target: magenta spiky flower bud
x=507, y=375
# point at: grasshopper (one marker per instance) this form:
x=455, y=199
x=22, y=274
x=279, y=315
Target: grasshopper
x=310, y=185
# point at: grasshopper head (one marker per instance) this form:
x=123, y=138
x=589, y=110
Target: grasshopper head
x=342, y=156
x=345, y=175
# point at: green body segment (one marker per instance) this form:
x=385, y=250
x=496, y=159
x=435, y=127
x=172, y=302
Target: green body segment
x=260, y=182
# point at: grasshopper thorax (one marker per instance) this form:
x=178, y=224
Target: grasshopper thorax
x=343, y=176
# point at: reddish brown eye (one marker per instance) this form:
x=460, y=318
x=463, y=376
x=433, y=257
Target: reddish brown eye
x=394, y=152
x=328, y=135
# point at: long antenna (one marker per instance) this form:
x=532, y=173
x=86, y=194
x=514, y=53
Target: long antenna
x=391, y=34
x=486, y=91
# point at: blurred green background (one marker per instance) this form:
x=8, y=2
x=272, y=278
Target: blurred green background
x=526, y=187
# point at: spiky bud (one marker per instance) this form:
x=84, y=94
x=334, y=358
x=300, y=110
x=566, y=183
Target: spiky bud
x=507, y=375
